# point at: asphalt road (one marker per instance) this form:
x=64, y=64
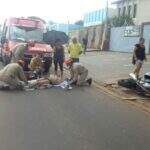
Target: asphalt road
x=81, y=119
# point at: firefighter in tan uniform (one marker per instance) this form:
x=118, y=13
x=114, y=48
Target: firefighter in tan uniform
x=78, y=73
x=19, y=50
x=36, y=62
x=13, y=75
x=36, y=66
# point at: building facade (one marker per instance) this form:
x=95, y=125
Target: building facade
x=94, y=18
x=97, y=17
x=137, y=9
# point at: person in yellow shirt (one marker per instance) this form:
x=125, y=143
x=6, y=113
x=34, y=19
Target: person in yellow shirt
x=75, y=50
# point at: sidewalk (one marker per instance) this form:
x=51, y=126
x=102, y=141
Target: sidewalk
x=105, y=67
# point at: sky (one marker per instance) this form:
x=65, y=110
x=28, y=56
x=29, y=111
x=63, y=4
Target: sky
x=60, y=11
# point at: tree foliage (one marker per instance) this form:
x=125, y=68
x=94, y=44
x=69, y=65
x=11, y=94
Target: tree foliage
x=121, y=21
x=80, y=23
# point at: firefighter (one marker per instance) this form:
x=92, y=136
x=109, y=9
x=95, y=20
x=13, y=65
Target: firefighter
x=36, y=65
x=78, y=73
x=19, y=50
x=36, y=62
x=13, y=75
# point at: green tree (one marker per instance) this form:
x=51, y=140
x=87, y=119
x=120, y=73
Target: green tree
x=121, y=21
x=80, y=23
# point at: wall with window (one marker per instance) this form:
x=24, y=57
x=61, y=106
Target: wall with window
x=128, y=7
x=137, y=9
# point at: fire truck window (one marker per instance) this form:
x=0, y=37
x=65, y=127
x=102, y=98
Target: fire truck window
x=25, y=34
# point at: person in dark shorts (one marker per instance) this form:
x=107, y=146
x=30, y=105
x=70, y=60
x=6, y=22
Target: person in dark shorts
x=58, y=57
x=139, y=56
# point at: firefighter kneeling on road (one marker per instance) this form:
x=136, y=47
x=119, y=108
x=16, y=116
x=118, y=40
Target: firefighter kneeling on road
x=78, y=73
x=12, y=76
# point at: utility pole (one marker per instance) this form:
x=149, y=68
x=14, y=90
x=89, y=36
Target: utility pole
x=107, y=11
x=107, y=16
x=105, y=41
x=68, y=28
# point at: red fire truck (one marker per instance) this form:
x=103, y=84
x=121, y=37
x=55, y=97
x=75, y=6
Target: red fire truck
x=21, y=30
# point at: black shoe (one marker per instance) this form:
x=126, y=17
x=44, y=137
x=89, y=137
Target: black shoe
x=89, y=81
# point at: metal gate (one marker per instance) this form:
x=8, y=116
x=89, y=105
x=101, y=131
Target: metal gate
x=120, y=42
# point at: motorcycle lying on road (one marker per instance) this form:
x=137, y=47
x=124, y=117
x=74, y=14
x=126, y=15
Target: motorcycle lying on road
x=140, y=85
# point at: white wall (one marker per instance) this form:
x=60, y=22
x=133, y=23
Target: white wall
x=120, y=43
x=143, y=12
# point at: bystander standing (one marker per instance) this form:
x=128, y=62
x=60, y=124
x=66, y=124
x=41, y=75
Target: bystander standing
x=58, y=57
x=75, y=50
x=139, y=56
